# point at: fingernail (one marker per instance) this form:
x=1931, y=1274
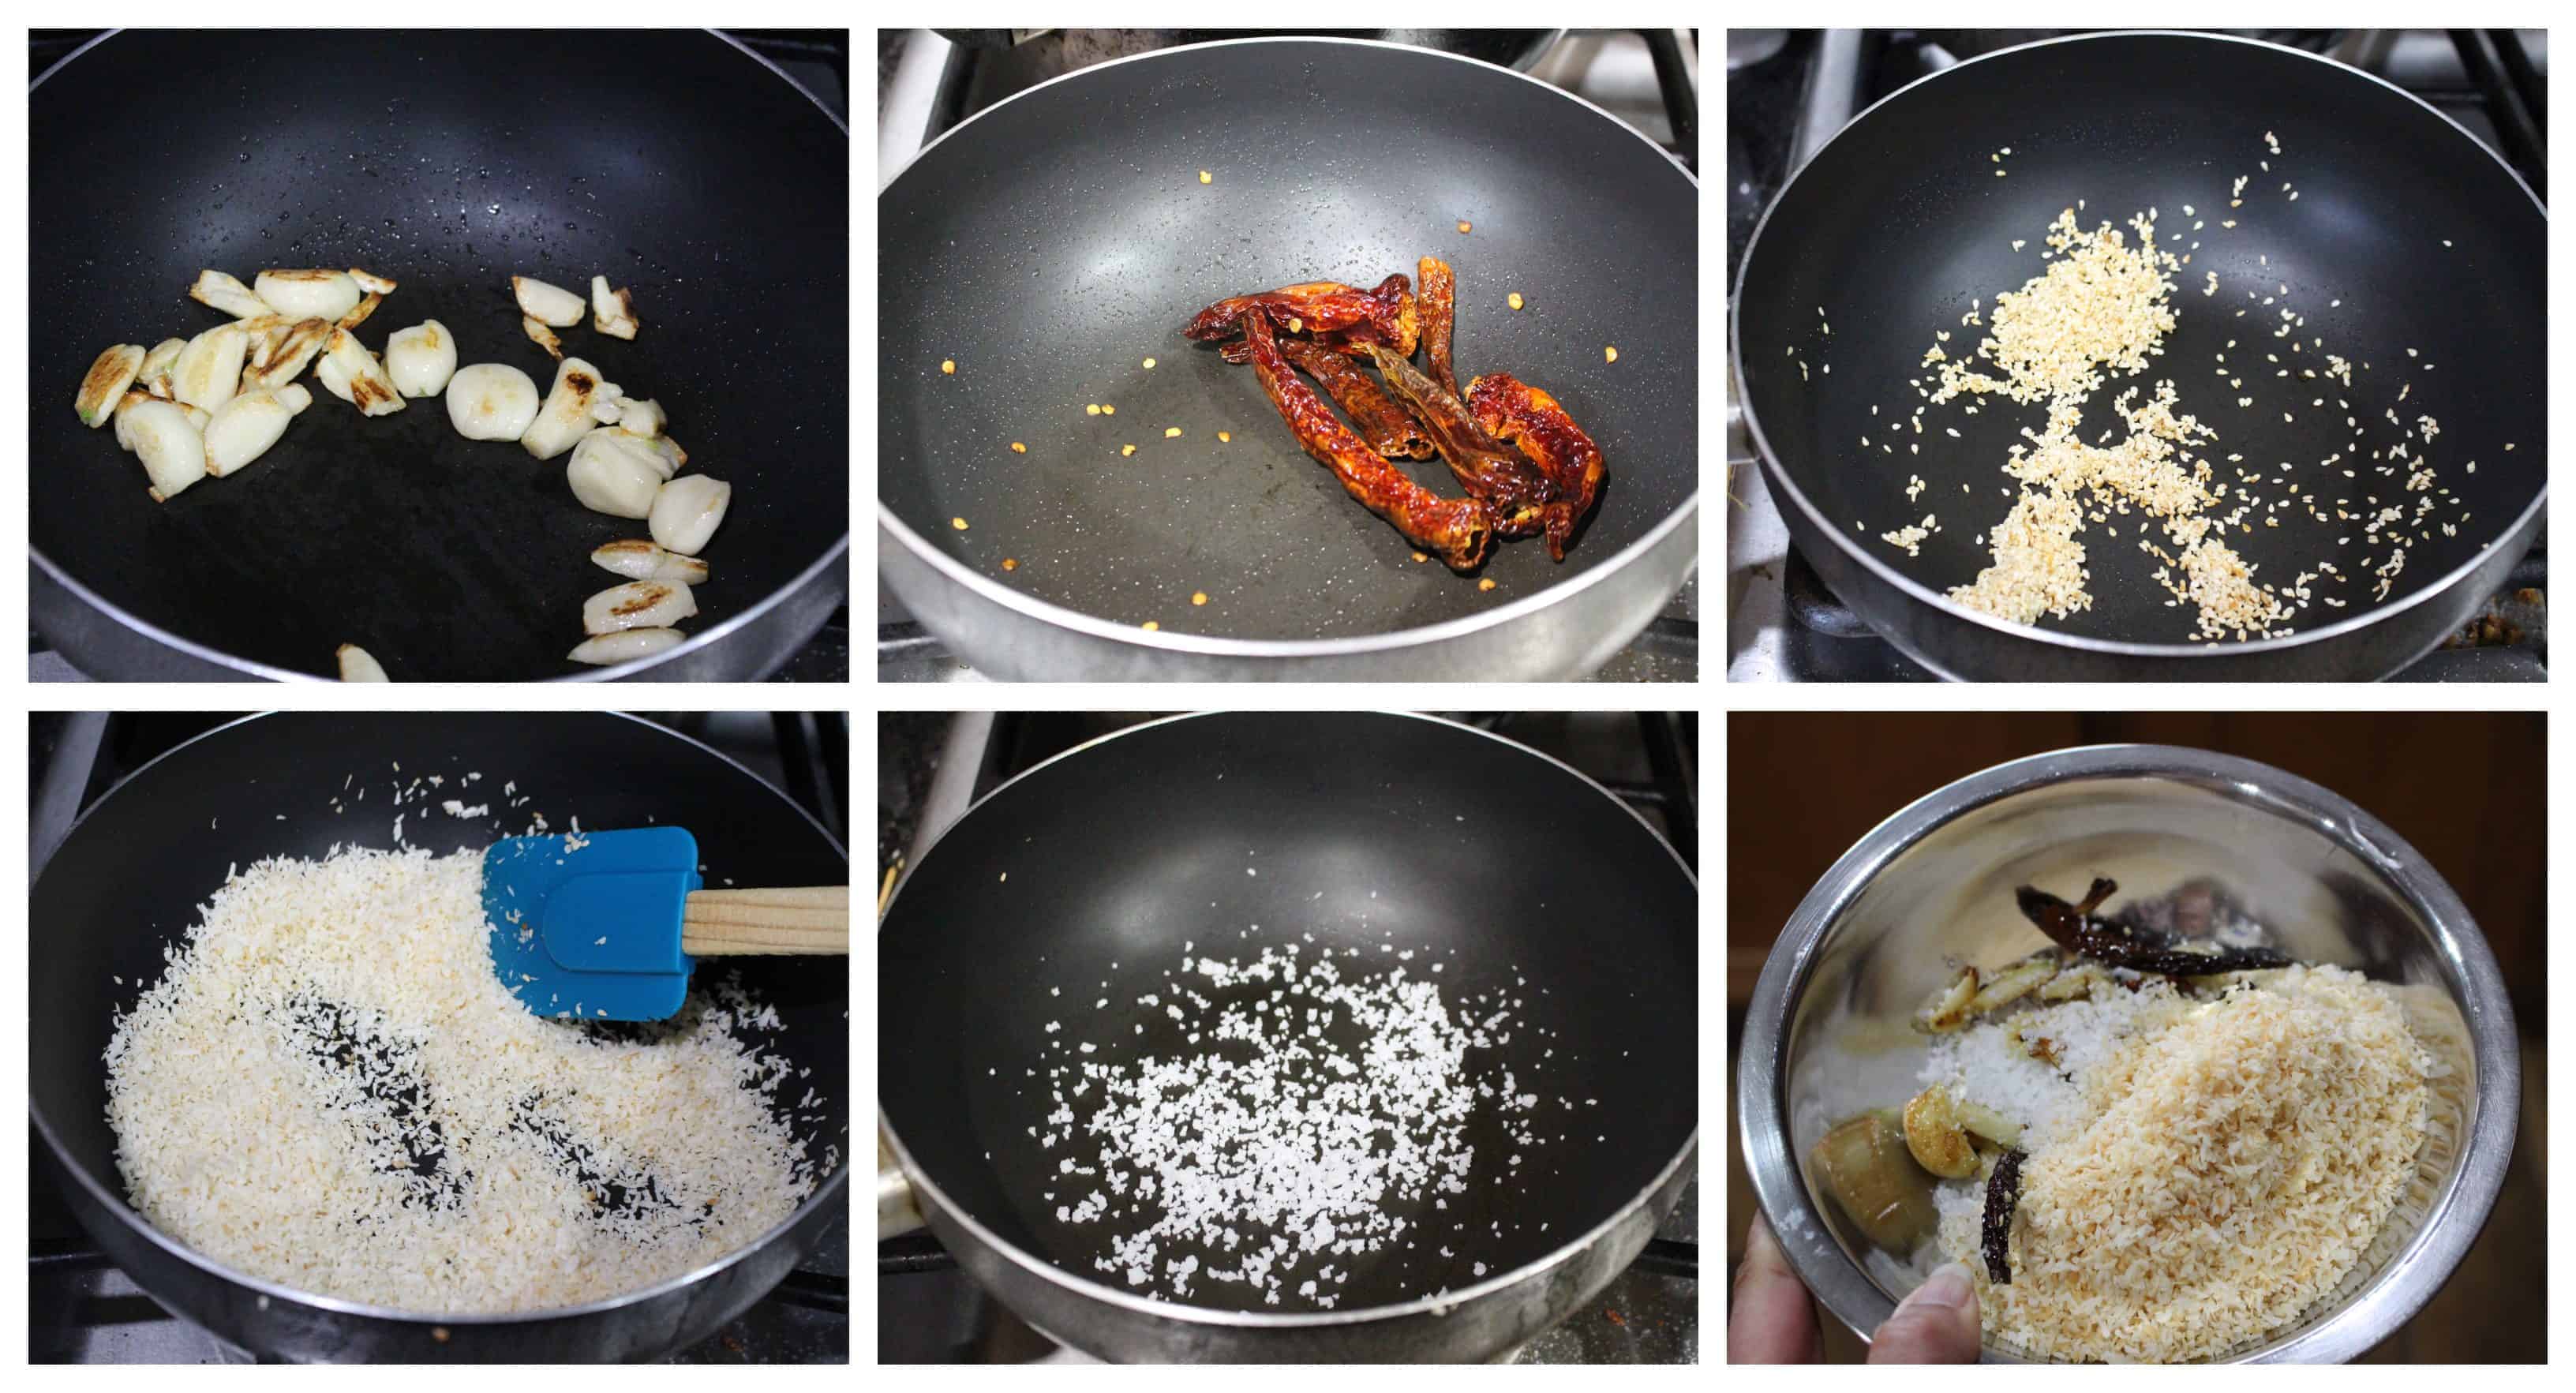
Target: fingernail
x=1947, y=1289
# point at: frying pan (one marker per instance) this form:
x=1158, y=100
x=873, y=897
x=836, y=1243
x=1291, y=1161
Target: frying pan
x=1057, y=240
x=674, y=162
x=218, y=800
x=2407, y=234
x=1364, y=829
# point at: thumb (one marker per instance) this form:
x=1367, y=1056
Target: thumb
x=1935, y=1325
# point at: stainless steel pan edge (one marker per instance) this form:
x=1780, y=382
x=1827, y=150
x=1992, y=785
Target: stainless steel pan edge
x=1565, y=632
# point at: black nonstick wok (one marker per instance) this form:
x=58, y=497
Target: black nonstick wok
x=674, y=162
x=132, y=872
x=2406, y=235
x=1057, y=240
x=1090, y=872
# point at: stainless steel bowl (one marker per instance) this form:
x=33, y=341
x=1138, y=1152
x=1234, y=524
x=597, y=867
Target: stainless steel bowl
x=1829, y=1031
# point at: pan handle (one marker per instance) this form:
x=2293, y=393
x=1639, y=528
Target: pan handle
x=896, y=1212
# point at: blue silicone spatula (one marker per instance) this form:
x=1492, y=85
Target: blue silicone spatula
x=607, y=926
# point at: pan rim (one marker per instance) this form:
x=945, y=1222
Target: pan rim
x=1684, y=1155
x=1209, y=645
x=830, y=1189
x=1212, y=645
x=1776, y=476
x=251, y=667
x=1623, y=127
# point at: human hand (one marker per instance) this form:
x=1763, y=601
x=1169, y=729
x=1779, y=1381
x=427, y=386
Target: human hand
x=1771, y=1319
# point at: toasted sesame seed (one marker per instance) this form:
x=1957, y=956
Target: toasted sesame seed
x=958, y=523
x=1486, y=584
x=1018, y=449
x=1149, y=362
x=1206, y=178
x=1611, y=355
x=1513, y=299
x=1198, y=597
x=949, y=366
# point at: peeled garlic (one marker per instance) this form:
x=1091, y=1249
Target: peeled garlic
x=642, y=417
x=105, y=384
x=132, y=398
x=154, y=375
x=643, y=560
x=365, y=307
x=687, y=512
x=625, y=646
x=566, y=416
x=308, y=294
x=370, y=282
x=242, y=429
x=638, y=604
x=613, y=478
x=550, y=303
x=333, y=379
x=421, y=359
x=289, y=353
x=369, y=389
x=491, y=401
x=208, y=371
x=173, y=454
x=541, y=336
x=294, y=396
x=612, y=312
x=229, y=295
x=358, y=665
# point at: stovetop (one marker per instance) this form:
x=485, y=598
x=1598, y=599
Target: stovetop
x=931, y=767
x=929, y=82
x=1789, y=91
x=83, y=1309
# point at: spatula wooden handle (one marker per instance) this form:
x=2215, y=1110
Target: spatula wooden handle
x=813, y=920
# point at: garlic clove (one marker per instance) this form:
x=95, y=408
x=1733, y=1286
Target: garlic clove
x=643, y=417
x=105, y=383
x=421, y=359
x=241, y=430
x=566, y=416
x=154, y=375
x=541, y=336
x=370, y=282
x=297, y=347
x=229, y=295
x=638, y=604
x=625, y=646
x=294, y=396
x=333, y=379
x=364, y=308
x=551, y=304
x=642, y=560
x=208, y=371
x=491, y=401
x=124, y=437
x=608, y=477
x=612, y=311
x=369, y=389
x=173, y=453
x=358, y=665
x=687, y=512
x=314, y=294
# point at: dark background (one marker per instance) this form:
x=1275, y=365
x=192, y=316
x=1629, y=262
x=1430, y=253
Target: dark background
x=2468, y=789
